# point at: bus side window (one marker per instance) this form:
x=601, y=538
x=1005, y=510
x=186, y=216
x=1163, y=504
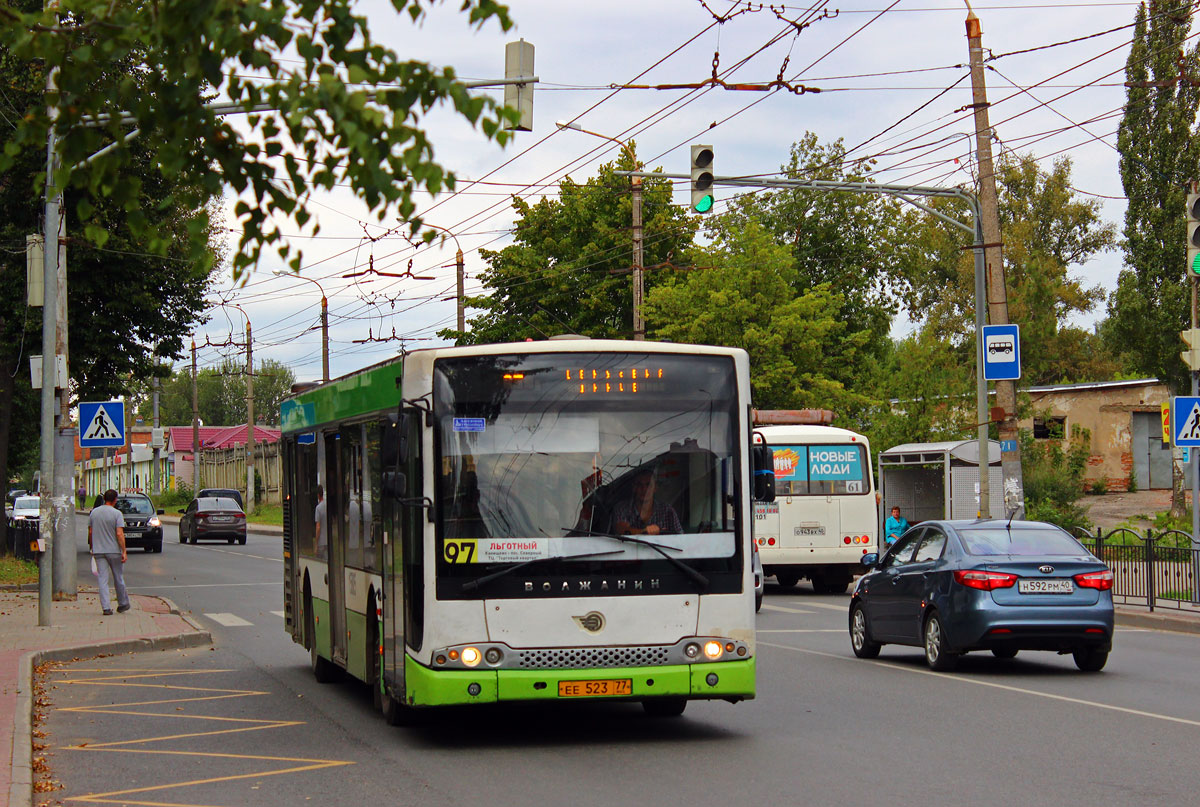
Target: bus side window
x=372, y=502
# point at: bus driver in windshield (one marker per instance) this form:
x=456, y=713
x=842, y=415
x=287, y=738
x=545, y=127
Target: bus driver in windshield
x=641, y=515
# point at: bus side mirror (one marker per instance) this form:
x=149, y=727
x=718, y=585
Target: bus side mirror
x=394, y=484
x=762, y=461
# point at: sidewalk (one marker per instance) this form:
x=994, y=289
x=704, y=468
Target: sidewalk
x=1183, y=620
x=77, y=630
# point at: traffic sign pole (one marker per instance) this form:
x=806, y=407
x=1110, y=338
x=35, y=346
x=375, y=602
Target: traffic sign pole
x=1192, y=454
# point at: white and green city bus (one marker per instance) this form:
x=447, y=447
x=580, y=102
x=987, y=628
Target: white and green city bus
x=824, y=517
x=478, y=540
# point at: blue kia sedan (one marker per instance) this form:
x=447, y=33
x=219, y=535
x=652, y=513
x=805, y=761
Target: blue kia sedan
x=952, y=587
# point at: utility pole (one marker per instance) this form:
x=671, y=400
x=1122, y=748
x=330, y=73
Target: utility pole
x=639, y=325
x=195, y=425
x=51, y=225
x=462, y=282
x=154, y=483
x=997, y=298
x=249, y=419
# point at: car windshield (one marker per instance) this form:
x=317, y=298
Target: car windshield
x=135, y=506
x=27, y=503
x=1001, y=541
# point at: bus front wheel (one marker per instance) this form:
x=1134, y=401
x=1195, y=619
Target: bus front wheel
x=664, y=707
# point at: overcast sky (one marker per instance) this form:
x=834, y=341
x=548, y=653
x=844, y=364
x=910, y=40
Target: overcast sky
x=892, y=76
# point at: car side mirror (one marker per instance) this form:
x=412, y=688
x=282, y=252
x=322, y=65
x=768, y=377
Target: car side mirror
x=762, y=461
x=870, y=560
x=160, y=512
x=183, y=511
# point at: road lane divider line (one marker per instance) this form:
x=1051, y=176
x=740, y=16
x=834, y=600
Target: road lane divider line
x=296, y=764
x=785, y=610
x=992, y=684
x=279, y=614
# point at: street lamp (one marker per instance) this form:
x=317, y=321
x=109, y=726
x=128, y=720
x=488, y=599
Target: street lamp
x=639, y=327
x=458, y=262
x=325, y=316
x=249, y=412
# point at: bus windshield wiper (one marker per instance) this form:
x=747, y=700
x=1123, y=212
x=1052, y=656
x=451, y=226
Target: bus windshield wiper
x=695, y=576
x=479, y=582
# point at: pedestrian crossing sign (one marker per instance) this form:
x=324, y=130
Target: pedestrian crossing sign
x=1186, y=421
x=102, y=424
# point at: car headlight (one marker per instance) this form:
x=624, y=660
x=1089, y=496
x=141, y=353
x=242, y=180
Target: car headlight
x=154, y=522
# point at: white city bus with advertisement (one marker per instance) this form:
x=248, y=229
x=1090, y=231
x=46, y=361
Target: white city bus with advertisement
x=555, y=520
x=824, y=517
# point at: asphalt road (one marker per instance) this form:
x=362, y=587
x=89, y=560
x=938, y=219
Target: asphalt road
x=246, y=722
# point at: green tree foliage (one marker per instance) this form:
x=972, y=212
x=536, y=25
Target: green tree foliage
x=927, y=389
x=803, y=353
x=568, y=270
x=124, y=305
x=1048, y=230
x=1053, y=477
x=1160, y=154
x=845, y=240
x=313, y=62
x=221, y=393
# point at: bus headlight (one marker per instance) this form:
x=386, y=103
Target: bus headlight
x=692, y=650
x=713, y=650
x=471, y=656
x=493, y=655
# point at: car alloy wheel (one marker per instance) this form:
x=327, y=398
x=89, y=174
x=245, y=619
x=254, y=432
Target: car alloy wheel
x=860, y=640
x=937, y=655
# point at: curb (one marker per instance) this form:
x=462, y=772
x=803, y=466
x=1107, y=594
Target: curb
x=1155, y=621
x=20, y=792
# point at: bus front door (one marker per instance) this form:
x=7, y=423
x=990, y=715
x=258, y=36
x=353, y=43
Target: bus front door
x=335, y=502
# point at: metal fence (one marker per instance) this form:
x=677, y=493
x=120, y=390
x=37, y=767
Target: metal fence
x=1158, y=569
x=18, y=535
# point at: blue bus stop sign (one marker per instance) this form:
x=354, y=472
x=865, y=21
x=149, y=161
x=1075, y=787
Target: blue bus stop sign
x=1001, y=352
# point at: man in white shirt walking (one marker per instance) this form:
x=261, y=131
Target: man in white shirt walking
x=106, y=540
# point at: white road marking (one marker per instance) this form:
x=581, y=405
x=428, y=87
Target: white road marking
x=229, y=620
x=768, y=607
x=239, y=554
x=845, y=609
x=279, y=614
x=1006, y=687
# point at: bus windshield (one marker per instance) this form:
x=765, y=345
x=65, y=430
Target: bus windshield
x=546, y=455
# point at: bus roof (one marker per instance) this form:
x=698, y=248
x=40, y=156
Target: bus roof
x=377, y=387
x=808, y=434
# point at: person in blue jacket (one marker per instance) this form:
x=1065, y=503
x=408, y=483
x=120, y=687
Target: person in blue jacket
x=894, y=527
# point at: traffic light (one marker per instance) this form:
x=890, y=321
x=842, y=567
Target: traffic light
x=1191, y=356
x=702, y=179
x=1193, y=235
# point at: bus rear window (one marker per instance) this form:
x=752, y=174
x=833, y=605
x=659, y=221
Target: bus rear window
x=821, y=470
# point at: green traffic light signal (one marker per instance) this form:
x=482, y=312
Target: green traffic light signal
x=702, y=179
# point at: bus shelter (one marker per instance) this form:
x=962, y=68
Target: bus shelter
x=938, y=480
